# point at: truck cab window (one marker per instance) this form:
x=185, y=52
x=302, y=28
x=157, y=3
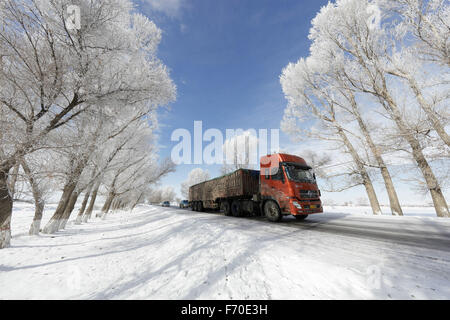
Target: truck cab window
x=300, y=174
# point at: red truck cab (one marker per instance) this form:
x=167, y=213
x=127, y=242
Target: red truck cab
x=291, y=183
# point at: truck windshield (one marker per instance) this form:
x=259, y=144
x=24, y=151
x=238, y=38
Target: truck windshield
x=300, y=174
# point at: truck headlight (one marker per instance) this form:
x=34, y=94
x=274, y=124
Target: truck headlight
x=296, y=204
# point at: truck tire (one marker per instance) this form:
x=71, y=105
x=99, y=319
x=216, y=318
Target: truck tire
x=195, y=206
x=301, y=217
x=200, y=207
x=225, y=208
x=236, y=209
x=272, y=211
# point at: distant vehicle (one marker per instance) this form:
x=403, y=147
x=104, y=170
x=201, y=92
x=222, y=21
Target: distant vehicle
x=285, y=185
x=166, y=204
x=184, y=204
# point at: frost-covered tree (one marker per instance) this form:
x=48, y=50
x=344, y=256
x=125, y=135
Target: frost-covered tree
x=98, y=140
x=346, y=28
x=50, y=74
x=350, y=103
x=118, y=139
x=168, y=194
x=133, y=172
x=195, y=176
x=38, y=172
x=136, y=192
x=155, y=196
x=428, y=21
x=311, y=99
x=118, y=180
x=160, y=194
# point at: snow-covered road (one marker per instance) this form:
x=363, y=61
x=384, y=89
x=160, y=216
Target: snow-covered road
x=419, y=233
x=170, y=253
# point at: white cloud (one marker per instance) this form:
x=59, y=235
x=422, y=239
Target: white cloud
x=171, y=8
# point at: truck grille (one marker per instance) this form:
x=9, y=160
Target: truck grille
x=309, y=194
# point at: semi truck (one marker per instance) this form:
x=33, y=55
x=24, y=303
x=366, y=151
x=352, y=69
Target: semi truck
x=284, y=185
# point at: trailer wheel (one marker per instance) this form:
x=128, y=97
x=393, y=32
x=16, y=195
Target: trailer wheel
x=236, y=209
x=301, y=217
x=225, y=208
x=200, y=206
x=272, y=211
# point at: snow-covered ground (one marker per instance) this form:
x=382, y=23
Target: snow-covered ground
x=169, y=253
x=367, y=210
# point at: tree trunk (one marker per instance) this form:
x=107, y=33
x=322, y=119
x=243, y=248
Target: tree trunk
x=38, y=201
x=367, y=182
x=107, y=204
x=390, y=106
x=396, y=209
x=13, y=179
x=38, y=211
x=6, y=205
x=69, y=209
x=55, y=222
x=114, y=205
x=439, y=202
x=53, y=225
x=83, y=205
x=136, y=202
x=88, y=213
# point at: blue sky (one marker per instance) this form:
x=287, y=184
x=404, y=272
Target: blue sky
x=225, y=56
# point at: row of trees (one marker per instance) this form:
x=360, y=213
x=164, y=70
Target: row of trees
x=158, y=195
x=78, y=106
x=195, y=176
x=376, y=86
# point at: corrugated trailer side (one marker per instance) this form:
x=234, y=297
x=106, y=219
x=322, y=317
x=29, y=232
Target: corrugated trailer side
x=250, y=182
x=242, y=183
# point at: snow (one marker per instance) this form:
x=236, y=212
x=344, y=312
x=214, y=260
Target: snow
x=170, y=253
x=409, y=211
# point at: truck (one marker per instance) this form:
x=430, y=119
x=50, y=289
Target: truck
x=284, y=185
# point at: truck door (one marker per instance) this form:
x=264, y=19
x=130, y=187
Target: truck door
x=274, y=186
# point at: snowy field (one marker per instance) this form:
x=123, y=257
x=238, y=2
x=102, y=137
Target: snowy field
x=169, y=253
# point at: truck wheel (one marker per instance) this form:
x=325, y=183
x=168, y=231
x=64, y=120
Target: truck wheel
x=272, y=211
x=200, y=206
x=195, y=206
x=301, y=217
x=225, y=208
x=236, y=209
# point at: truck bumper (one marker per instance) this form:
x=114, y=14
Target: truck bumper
x=305, y=207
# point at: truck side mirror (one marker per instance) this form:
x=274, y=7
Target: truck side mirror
x=267, y=173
